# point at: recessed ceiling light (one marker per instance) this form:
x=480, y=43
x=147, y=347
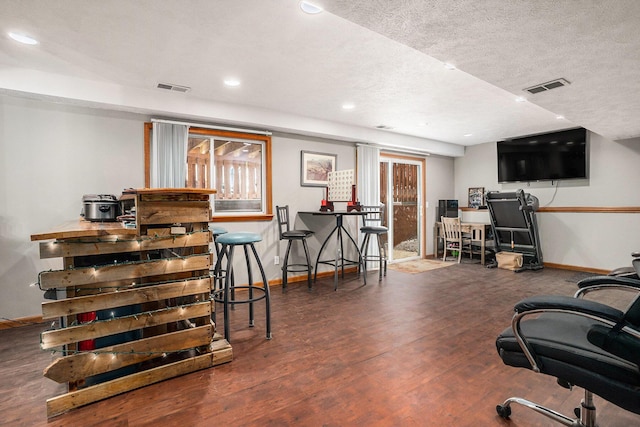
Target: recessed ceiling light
x=231, y=82
x=468, y=134
x=520, y=99
x=309, y=8
x=560, y=117
x=23, y=38
x=348, y=106
x=449, y=66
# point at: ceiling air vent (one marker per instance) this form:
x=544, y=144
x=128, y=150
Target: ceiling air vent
x=547, y=86
x=175, y=88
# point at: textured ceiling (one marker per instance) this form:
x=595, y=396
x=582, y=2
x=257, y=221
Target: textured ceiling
x=297, y=70
x=594, y=44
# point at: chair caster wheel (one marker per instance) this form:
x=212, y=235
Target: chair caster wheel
x=503, y=411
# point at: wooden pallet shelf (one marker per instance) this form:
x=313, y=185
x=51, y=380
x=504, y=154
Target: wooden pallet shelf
x=133, y=305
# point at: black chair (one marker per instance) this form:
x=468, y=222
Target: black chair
x=623, y=277
x=218, y=273
x=582, y=343
x=286, y=233
x=629, y=272
x=372, y=222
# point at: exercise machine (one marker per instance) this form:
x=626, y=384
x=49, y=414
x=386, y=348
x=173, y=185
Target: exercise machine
x=514, y=226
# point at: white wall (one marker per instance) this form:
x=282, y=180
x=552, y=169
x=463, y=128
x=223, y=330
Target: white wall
x=440, y=186
x=590, y=240
x=51, y=155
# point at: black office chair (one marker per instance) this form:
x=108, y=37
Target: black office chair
x=580, y=342
x=286, y=233
x=372, y=222
x=623, y=277
x=629, y=272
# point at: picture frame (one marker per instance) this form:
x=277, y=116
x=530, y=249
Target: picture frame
x=476, y=197
x=315, y=168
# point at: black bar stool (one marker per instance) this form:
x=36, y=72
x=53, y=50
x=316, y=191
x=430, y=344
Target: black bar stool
x=286, y=233
x=218, y=272
x=372, y=226
x=227, y=296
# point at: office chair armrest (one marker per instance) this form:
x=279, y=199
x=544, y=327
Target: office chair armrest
x=559, y=304
x=569, y=304
x=608, y=280
x=599, y=283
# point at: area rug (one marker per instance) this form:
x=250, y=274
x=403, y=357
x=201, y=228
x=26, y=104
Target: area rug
x=419, y=265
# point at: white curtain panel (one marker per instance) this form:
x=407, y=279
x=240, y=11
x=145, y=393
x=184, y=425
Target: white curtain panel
x=368, y=164
x=368, y=186
x=169, y=155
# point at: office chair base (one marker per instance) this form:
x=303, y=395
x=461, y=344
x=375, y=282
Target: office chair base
x=586, y=413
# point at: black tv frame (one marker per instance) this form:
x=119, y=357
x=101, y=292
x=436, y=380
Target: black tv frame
x=553, y=156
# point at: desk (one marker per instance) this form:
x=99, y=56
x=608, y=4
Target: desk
x=476, y=230
x=339, y=261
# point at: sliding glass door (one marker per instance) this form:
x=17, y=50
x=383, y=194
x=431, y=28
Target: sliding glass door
x=401, y=182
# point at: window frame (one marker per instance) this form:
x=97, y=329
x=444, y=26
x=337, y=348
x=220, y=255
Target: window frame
x=226, y=217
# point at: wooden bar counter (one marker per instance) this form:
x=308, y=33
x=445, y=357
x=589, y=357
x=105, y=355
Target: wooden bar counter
x=132, y=304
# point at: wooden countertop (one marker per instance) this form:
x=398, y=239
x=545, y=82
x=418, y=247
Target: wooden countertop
x=169, y=191
x=82, y=228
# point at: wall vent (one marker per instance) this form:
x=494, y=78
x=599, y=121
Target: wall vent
x=547, y=86
x=175, y=88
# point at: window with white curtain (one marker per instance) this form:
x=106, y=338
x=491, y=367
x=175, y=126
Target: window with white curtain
x=237, y=165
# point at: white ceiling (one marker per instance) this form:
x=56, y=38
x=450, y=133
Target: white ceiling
x=297, y=70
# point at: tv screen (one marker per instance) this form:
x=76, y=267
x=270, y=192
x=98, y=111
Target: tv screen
x=550, y=156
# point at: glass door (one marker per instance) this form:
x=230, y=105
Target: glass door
x=401, y=181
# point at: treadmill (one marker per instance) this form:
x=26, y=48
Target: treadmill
x=514, y=226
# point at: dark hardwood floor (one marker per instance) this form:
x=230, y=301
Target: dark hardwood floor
x=411, y=350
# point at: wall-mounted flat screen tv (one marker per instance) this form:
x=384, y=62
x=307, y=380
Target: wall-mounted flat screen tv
x=550, y=156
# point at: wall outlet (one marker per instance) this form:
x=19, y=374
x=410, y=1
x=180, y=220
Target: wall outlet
x=276, y=260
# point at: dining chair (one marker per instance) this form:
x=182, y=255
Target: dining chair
x=454, y=239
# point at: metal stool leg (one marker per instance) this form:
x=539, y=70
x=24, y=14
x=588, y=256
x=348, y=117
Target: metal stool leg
x=306, y=254
x=266, y=292
x=227, y=286
x=285, y=266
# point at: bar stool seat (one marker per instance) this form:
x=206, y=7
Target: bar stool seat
x=218, y=230
x=227, y=295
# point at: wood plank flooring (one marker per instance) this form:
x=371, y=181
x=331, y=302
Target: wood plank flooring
x=411, y=350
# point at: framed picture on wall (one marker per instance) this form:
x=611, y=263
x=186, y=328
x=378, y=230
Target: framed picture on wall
x=476, y=197
x=315, y=168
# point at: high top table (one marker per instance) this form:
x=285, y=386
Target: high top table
x=339, y=260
